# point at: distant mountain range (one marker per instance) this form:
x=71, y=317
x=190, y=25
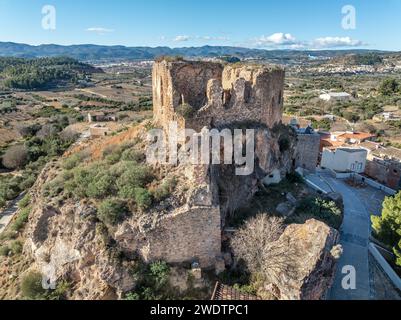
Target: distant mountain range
x=88, y=52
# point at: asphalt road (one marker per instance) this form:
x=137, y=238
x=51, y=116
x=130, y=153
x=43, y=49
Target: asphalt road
x=354, y=238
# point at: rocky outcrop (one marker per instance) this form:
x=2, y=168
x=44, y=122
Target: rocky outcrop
x=66, y=242
x=72, y=247
x=314, y=247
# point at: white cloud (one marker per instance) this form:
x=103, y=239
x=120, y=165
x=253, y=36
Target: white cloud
x=211, y=38
x=277, y=39
x=181, y=38
x=99, y=30
x=336, y=42
x=287, y=40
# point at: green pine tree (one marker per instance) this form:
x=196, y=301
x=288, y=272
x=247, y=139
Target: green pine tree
x=387, y=228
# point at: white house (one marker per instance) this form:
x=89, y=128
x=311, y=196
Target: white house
x=335, y=96
x=345, y=159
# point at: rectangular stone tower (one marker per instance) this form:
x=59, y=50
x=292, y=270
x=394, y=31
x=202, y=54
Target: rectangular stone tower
x=216, y=95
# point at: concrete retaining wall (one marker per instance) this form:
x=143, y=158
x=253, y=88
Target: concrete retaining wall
x=391, y=274
x=374, y=184
x=368, y=181
x=315, y=186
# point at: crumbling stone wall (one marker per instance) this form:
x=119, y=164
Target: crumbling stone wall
x=222, y=97
x=385, y=172
x=185, y=236
x=219, y=95
x=307, y=151
x=180, y=82
x=191, y=233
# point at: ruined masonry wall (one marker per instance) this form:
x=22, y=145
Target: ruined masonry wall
x=186, y=237
x=307, y=151
x=220, y=95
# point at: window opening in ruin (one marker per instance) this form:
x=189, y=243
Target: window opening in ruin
x=227, y=98
x=161, y=92
x=248, y=92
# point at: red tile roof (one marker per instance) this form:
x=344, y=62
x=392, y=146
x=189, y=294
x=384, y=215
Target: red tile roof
x=356, y=136
x=225, y=293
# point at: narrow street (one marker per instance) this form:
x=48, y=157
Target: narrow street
x=355, y=233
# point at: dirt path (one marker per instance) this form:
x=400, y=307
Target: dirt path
x=7, y=215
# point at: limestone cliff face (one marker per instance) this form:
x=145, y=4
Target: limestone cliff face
x=66, y=243
x=236, y=191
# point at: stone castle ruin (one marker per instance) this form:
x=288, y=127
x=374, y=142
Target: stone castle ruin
x=214, y=96
x=217, y=95
x=186, y=228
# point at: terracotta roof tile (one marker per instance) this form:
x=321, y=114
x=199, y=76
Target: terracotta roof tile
x=225, y=293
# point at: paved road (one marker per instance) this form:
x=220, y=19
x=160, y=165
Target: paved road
x=355, y=233
x=7, y=215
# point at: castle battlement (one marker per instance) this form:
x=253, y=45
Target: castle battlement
x=198, y=94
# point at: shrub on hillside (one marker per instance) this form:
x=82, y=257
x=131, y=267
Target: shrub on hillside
x=159, y=272
x=131, y=176
x=21, y=219
x=185, y=110
x=389, y=87
x=4, y=251
x=74, y=160
x=15, y=157
x=133, y=155
x=112, y=211
x=102, y=185
x=16, y=247
x=31, y=286
x=153, y=282
x=53, y=188
x=25, y=201
x=294, y=177
x=143, y=198
x=164, y=190
x=320, y=209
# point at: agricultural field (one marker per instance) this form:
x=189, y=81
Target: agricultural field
x=38, y=125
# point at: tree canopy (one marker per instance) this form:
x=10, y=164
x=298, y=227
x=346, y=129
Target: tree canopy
x=387, y=227
x=42, y=73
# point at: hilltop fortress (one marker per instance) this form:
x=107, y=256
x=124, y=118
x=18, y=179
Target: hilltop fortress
x=217, y=95
x=186, y=226
x=213, y=96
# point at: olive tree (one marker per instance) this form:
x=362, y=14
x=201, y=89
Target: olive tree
x=15, y=157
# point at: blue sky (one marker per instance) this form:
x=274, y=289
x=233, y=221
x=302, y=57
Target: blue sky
x=312, y=24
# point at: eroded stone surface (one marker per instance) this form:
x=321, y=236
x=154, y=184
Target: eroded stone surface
x=314, y=263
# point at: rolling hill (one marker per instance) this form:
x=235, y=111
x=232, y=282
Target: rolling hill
x=89, y=52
